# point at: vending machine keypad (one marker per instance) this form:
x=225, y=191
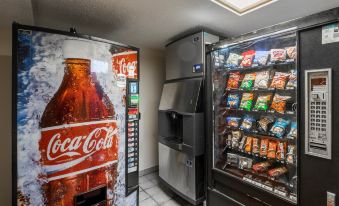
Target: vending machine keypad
x=318, y=117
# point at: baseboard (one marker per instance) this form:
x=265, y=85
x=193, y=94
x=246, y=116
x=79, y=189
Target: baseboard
x=148, y=171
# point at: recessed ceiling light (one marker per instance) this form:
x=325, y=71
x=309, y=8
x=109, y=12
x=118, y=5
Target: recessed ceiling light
x=241, y=7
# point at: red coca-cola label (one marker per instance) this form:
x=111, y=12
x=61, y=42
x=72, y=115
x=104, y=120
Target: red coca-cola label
x=72, y=149
x=125, y=63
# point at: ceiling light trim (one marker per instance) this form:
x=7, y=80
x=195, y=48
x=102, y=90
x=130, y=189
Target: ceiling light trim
x=229, y=6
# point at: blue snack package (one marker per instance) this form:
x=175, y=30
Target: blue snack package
x=233, y=121
x=293, y=132
x=261, y=58
x=279, y=127
x=233, y=101
x=247, y=123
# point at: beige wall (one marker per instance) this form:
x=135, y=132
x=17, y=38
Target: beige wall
x=152, y=76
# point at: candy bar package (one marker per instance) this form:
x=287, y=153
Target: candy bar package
x=263, y=147
x=262, y=102
x=236, y=135
x=261, y=58
x=291, y=52
x=279, y=103
x=247, y=123
x=276, y=172
x=246, y=101
x=233, y=122
x=262, y=79
x=248, y=145
x=233, y=60
x=229, y=140
x=233, y=101
x=293, y=132
x=278, y=55
x=292, y=80
x=290, y=156
x=281, y=151
x=265, y=123
x=255, y=146
x=272, y=149
x=248, y=81
x=232, y=159
x=262, y=166
x=242, y=143
x=279, y=80
x=279, y=127
x=245, y=163
x=233, y=80
x=247, y=58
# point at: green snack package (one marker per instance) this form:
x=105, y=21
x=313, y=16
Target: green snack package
x=248, y=81
x=246, y=101
x=262, y=102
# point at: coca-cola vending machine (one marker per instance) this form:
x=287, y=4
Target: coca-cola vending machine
x=76, y=119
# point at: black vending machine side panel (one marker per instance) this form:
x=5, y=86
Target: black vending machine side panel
x=318, y=175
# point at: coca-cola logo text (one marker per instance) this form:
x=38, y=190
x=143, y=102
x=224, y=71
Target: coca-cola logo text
x=125, y=65
x=98, y=139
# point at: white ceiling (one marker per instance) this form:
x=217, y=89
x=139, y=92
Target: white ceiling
x=152, y=23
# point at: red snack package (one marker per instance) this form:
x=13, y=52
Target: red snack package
x=279, y=80
x=247, y=58
x=281, y=151
x=272, y=149
x=255, y=146
x=261, y=166
x=278, y=55
x=275, y=172
x=233, y=80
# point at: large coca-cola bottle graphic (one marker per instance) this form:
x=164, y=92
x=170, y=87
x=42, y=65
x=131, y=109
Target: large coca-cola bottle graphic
x=79, y=142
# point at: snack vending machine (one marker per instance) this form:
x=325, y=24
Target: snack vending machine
x=269, y=97
x=75, y=120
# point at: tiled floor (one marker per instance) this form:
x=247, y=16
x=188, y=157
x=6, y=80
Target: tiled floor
x=152, y=193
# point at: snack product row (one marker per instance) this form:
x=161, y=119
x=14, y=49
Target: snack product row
x=246, y=163
x=263, y=102
x=266, y=124
x=261, y=147
x=262, y=80
x=261, y=57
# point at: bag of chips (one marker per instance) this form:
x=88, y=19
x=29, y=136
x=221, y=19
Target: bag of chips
x=261, y=166
x=292, y=80
x=261, y=80
x=275, y=172
x=248, y=81
x=279, y=103
x=236, y=135
x=291, y=52
x=255, y=146
x=233, y=80
x=263, y=147
x=290, y=156
x=279, y=127
x=293, y=132
x=272, y=149
x=246, y=101
x=262, y=102
x=233, y=101
x=261, y=58
x=279, y=80
x=247, y=123
x=245, y=163
x=248, y=145
x=242, y=143
x=278, y=55
x=281, y=151
x=233, y=122
x=247, y=58
x=233, y=60
x=265, y=123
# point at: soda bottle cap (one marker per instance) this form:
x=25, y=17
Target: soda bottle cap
x=76, y=48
